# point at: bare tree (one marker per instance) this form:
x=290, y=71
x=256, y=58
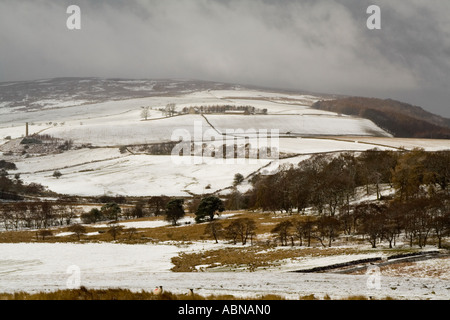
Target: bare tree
x=214, y=228
x=304, y=229
x=170, y=109
x=78, y=230
x=328, y=228
x=145, y=113
x=282, y=229
x=242, y=228
x=130, y=232
x=45, y=233
x=441, y=225
x=114, y=229
x=158, y=204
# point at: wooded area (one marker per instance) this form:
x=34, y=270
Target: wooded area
x=400, y=119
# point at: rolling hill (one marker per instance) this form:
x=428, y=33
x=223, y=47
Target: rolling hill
x=92, y=131
x=400, y=119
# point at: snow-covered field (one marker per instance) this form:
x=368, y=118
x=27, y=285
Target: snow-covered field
x=101, y=171
x=111, y=124
x=408, y=144
x=314, y=145
x=306, y=125
x=34, y=267
x=39, y=267
x=132, y=175
x=120, y=132
x=104, y=170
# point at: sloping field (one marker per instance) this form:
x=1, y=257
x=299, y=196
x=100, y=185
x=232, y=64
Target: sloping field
x=101, y=171
x=161, y=130
x=306, y=125
x=39, y=267
x=129, y=132
x=408, y=144
x=70, y=159
x=133, y=175
x=316, y=145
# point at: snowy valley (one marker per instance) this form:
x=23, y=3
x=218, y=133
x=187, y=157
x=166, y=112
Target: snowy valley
x=115, y=138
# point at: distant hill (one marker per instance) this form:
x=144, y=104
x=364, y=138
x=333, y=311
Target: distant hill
x=63, y=92
x=400, y=119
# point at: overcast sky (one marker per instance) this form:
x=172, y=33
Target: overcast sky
x=315, y=45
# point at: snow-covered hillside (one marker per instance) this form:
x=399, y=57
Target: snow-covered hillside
x=46, y=267
x=134, y=175
x=106, y=114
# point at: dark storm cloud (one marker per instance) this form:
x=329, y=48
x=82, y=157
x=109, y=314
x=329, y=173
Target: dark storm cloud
x=319, y=45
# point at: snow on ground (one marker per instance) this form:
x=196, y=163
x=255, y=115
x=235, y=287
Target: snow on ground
x=133, y=132
x=119, y=122
x=280, y=107
x=409, y=144
x=305, y=262
x=312, y=145
x=101, y=171
x=433, y=268
x=137, y=175
x=148, y=224
x=69, y=159
x=240, y=93
x=100, y=112
x=39, y=266
x=114, y=131
x=307, y=125
x=17, y=131
x=58, y=103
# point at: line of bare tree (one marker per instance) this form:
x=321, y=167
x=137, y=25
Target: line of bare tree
x=223, y=109
x=36, y=215
x=415, y=222
x=328, y=182
x=238, y=230
x=332, y=186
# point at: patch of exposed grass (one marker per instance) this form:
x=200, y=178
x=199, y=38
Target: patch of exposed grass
x=182, y=233
x=128, y=295
x=421, y=269
x=309, y=297
x=17, y=236
x=120, y=294
x=249, y=258
x=357, y=298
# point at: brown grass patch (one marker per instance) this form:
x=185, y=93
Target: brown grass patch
x=128, y=295
x=120, y=294
x=249, y=258
x=432, y=268
x=435, y=268
x=181, y=233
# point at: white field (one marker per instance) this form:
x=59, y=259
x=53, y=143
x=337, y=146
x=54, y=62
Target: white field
x=239, y=93
x=34, y=267
x=98, y=171
x=133, y=175
x=69, y=159
x=314, y=145
x=74, y=111
x=111, y=124
x=115, y=122
x=17, y=131
x=156, y=223
x=122, y=132
x=309, y=125
x=97, y=112
x=408, y=144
